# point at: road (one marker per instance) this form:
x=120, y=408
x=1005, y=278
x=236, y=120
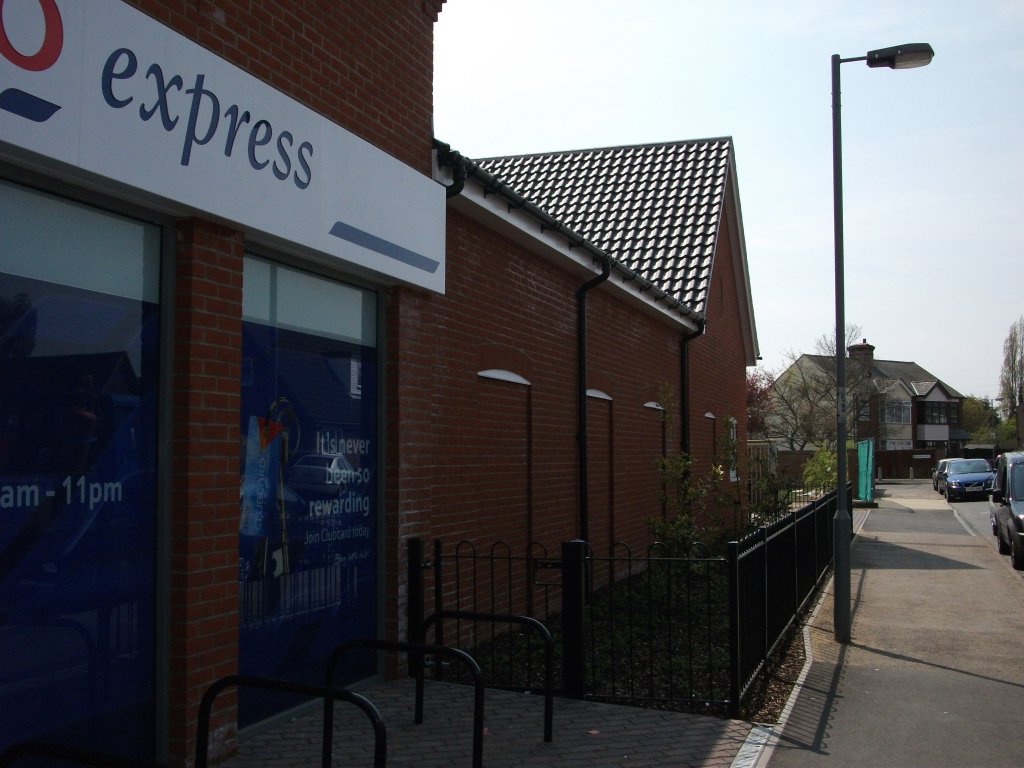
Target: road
x=973, y=515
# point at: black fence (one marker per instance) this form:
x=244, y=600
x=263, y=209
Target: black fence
x=687, y=633
x=775, y=572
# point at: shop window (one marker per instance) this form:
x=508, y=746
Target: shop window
x=78, y=386
x=308, y=512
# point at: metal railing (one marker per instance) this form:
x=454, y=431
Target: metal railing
x=657, y=629
x=774, y=574
x=689, y=633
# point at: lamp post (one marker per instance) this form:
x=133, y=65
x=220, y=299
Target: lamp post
x=896, y=57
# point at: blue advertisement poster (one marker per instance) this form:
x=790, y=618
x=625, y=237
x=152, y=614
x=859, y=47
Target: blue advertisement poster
x=307, y=520
x=78, y=385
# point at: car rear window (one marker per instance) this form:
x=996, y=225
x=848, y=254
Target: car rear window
x=979, y=465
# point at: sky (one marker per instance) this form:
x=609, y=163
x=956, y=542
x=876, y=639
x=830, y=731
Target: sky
x=933, y=157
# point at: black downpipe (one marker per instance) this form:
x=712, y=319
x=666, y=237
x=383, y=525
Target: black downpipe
x=448, y=156
x=581, y=391
x=458, y=178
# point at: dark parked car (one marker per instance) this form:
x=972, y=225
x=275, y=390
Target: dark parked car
x=966, y=477
x=939, y=471
x=1006, y=507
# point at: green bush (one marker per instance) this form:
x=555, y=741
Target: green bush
x=821, y=471
x=771, y=498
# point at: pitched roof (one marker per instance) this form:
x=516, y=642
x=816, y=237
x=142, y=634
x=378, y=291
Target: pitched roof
x=886, y=373
x=918, y=381
x=657, y=208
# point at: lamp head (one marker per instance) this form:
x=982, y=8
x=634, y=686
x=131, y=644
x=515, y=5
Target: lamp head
x=906, y=56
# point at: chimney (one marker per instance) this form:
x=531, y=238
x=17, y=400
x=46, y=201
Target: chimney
x=863, y=353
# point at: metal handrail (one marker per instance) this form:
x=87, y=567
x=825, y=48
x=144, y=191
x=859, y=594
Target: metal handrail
x=327, y=693
x=421, y=650
x=529, y=621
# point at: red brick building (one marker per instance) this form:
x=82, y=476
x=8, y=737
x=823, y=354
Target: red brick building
x=258, y=330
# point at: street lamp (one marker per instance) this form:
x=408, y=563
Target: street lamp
x=897, y=57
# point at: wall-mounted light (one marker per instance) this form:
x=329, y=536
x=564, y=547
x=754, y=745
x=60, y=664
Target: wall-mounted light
x=714, y=433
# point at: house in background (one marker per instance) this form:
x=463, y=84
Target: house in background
x=904, y=407
x=910, y=415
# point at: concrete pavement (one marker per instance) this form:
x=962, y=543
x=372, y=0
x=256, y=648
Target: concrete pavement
x=934, y=672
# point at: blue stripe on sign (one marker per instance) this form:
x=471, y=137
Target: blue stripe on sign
x=384, y=247
x=26, y=105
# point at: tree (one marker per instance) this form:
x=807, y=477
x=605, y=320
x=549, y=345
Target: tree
x=803, y=409
x=981, y=419
x=759, y=400
x=1011, y=377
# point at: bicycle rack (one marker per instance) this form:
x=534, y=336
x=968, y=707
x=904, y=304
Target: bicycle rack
x=418, y=649
x=528, y=621
x=327, y=693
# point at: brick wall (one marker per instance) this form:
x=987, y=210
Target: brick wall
x=635, y=360
x=367, y=66
x=204, y=476
x=461, y=439
x=718, y=369
x=482, y=460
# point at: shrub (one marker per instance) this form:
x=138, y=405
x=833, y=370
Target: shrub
x=821, y=471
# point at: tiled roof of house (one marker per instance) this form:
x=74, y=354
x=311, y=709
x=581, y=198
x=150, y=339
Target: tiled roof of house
x=917, y=380
x=885, y=374
x=657, y=208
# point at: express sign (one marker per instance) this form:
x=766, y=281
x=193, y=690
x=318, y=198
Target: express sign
x=101, y=87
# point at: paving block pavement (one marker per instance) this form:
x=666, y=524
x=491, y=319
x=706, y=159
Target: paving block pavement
x=585, y=734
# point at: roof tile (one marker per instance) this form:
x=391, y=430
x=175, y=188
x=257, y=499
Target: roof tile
x=656, y=208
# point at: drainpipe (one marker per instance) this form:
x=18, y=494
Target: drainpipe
x=581, y=394
x=448, y=156
x=458, y=177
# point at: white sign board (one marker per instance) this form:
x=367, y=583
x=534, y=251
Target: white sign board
x=101, y=87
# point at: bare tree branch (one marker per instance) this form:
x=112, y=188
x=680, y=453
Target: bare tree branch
x=803, y=412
